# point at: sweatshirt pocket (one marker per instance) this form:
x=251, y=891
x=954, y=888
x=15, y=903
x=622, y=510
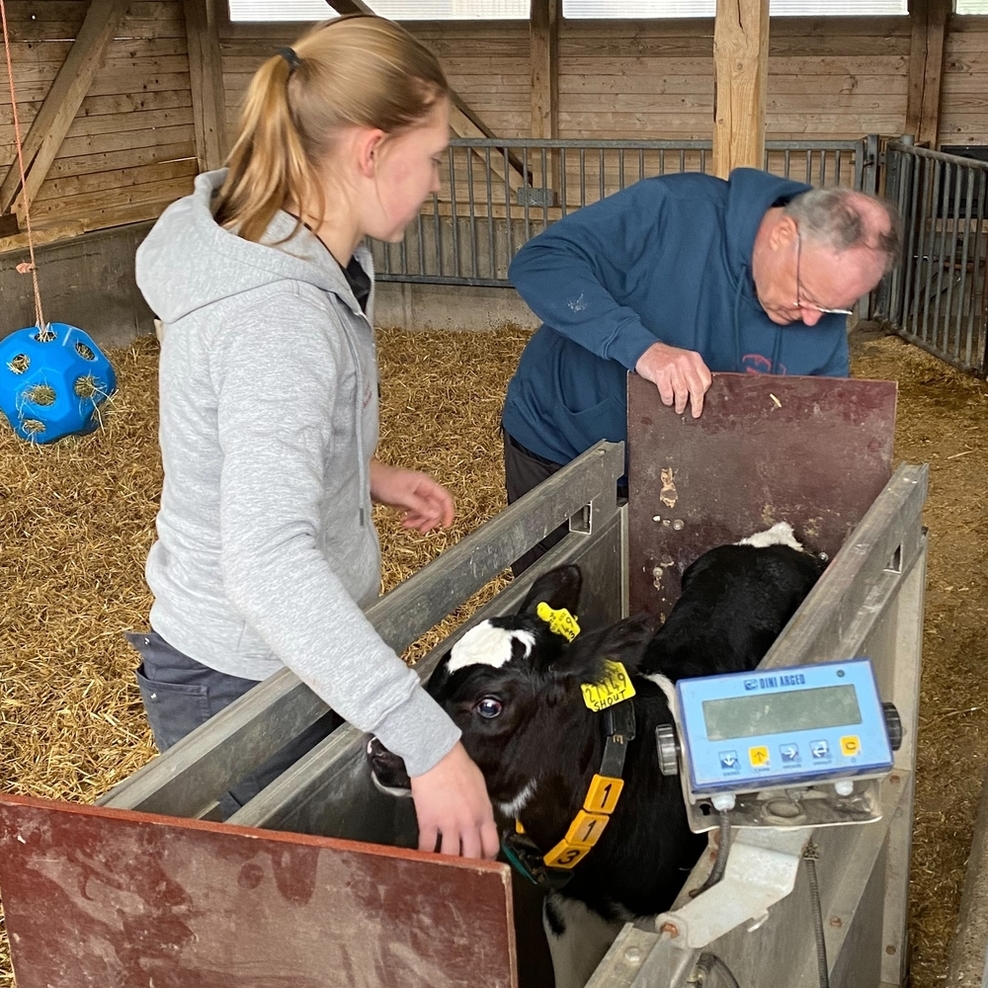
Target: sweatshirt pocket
x=605, y=420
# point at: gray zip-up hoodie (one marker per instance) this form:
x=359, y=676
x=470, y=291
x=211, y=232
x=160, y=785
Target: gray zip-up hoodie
x=266, y=552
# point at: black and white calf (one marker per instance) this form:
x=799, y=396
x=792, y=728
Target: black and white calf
x=513, y=686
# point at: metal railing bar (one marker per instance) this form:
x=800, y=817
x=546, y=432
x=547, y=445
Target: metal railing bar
x=964, y=303
x=944, y=258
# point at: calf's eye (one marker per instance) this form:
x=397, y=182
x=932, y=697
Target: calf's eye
x=488, y=707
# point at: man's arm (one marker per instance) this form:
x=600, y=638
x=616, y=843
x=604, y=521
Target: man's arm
x=572, y=274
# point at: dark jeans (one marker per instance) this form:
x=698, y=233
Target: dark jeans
x=181, y=694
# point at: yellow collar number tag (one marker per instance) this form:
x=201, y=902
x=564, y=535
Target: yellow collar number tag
x=615, y=687
x=560, y=622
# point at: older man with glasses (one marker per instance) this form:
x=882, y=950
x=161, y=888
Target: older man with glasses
x=673, y=278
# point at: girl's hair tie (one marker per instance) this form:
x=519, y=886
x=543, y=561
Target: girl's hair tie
x=291, y=57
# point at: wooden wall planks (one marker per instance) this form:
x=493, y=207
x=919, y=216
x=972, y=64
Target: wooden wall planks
x=130, y=149
x=828, y=77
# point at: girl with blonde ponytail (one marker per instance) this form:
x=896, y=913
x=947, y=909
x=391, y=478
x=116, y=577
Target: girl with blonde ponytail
x=266, y=553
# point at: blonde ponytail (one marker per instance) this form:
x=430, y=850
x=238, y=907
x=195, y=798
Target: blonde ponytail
x=357, y=70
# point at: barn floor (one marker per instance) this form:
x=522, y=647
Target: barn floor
x=76, y=521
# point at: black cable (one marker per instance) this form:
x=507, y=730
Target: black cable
x=810, y=856
x=720, y=862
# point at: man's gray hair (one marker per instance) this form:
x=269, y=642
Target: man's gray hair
x=834, y=217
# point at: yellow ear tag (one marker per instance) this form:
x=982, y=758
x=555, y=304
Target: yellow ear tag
x=615, y=687
x=560, y=622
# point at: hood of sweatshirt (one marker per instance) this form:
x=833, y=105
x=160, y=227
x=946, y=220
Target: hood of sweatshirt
x=750, y=194
x=177, y=262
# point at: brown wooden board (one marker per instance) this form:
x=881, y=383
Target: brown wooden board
x=813, y=451
x=121, y=899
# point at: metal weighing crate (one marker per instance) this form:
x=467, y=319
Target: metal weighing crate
x=308, y=883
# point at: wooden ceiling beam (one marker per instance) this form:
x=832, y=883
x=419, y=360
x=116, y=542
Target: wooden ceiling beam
x=463, y=120
x=929, y=19
x=740, y=84
x=62, y=103
x=350, y=6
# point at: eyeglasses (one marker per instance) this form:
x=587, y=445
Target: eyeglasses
x=802, y=303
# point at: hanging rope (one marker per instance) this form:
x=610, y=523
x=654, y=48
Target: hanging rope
x=32, y=267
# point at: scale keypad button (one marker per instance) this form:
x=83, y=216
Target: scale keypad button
x=758, y=756
x=850, y=745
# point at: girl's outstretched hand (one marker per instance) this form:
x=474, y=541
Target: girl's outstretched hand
x=423, y=503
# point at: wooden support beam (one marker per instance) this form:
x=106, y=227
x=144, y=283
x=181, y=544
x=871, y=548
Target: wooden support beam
x=929, y=36
x=350, y=6
x=544, y=38
x=63, y=101
x=206, y=74
x=740, y=83
x=463, y=121
x=544, y=57
x=464, y=124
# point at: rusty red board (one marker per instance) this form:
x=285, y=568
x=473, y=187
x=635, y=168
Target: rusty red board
x=813, y=451
x=119, y=899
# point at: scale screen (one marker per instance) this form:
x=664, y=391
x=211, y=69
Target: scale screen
x=753, y=730
x=780, y=713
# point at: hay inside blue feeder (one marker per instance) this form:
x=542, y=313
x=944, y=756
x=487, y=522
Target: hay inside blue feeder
x=53, y=381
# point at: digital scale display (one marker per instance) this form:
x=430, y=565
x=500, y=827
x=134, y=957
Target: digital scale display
x=778, y=713
x=766, y=728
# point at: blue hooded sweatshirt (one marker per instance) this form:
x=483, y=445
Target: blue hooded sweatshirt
x=666, y=259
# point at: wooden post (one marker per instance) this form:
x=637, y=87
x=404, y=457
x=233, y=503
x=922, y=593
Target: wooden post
x=929, y=36
x=544, y=54
x=544, y=35
x=206, y=75
x=740, y=83
x=63, y=101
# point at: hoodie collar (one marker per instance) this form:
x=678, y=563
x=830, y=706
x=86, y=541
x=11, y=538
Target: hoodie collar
x=189, y=261
x=751, y=193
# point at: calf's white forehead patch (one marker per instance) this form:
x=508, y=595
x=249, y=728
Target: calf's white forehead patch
x=486, y=645
x=780, y=533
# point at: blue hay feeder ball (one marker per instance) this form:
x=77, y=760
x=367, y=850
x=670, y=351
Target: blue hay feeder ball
x=53, y=381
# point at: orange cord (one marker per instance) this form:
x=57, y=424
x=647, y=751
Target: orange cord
x=20, y=160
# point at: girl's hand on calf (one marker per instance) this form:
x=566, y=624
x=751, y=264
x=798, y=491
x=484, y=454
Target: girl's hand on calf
x=453, y=809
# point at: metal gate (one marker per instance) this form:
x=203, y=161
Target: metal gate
x=938, y=296
x=497, y=194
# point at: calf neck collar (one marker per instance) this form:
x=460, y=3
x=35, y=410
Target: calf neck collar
x=554, y=869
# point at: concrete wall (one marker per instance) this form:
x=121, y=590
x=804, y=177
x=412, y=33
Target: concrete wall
x=411, y=306
x=87, y=281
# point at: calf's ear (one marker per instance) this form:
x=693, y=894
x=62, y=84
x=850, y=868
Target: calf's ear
x=623, y=642
x=559, y=588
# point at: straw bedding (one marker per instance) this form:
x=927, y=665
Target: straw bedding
x=76, y=521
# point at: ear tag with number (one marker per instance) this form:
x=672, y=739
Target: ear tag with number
x=613, y=688
x=560, y=622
